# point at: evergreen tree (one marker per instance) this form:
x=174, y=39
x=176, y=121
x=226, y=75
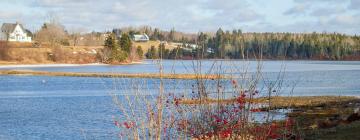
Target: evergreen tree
x=125, y=43
x=151, y=54
x=139, y=52
x=110, y=42
x=116, y=54
x=219, y=43
x=163, y=52
x=172, y=35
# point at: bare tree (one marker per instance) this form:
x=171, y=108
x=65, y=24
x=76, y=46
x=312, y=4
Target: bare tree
x=75, y=36
x=52, y=33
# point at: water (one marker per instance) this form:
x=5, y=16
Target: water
x=43, y=107
x=186, y=66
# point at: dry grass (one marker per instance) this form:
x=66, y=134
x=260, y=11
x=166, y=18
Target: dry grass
x=281, y=102
x=147, y=45
x=46, y=55
x=110, y=75
x=7, y=63
x=26, y=55
x=14, y=44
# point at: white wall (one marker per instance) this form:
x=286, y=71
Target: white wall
x=19, y=35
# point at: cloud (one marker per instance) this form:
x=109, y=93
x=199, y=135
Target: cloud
x=318, y=7
x=354, y=4
x=346, y=20
x=340, y=24
x=321, y=1
x=10, y=15
x=299, y=9
x=328, y=11
x=185, y=15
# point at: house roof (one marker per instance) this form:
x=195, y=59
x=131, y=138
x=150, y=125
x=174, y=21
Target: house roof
x=140, y=37
x=28, y=32
x=10, y=27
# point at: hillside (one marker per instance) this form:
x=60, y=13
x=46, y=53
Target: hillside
x=25, y=53
x=147, y=45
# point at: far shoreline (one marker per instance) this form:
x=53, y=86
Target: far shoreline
x=14, y=63
x=20, y=65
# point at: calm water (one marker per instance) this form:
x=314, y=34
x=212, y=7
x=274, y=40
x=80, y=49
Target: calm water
x=42, y=107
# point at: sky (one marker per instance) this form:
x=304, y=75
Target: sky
x=342, y=16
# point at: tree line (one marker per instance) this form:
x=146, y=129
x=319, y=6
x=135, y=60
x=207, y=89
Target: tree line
x=238, y=45
x=226, y=44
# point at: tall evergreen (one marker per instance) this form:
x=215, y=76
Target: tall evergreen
x=125, y=43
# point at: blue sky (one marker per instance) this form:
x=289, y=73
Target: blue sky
x=341, y=16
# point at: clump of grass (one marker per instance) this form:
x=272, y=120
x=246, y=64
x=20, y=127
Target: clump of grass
x=279, y=102
x=111, y=75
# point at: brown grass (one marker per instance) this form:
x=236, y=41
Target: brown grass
x=147, y=45
x=14, y=44
x=281, y=102
x=25, y=55
x=41, y=55
x=118, y=75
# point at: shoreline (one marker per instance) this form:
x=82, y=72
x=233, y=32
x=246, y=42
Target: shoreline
x=12, y=63
x=49, y=65
x=15, y=65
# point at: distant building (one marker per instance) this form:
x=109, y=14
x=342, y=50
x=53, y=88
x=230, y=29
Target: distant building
x=185, y=45
x=140, y=38
x=15, y=33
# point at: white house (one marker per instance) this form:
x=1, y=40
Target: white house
x=185, y=45
x=15, y=33
x=140, y=38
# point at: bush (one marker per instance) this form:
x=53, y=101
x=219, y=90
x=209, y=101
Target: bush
x=139, y=52
x=203, y=108
x=118, y=56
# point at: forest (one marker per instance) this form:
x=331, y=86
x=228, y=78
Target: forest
x=237, y=45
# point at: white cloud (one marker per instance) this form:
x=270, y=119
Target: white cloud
x=10, y=15
x=298, y=9
x=347, y=20
x=328, y=11
x=355, y=4
x=187, y=15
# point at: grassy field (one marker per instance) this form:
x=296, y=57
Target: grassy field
x=25, y=54
x=147, y=45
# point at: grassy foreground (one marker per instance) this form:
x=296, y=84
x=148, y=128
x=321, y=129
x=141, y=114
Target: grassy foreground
x=110, y=75
x=317, y=117
x=279, y=102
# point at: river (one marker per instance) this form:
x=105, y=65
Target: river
x=43, y=107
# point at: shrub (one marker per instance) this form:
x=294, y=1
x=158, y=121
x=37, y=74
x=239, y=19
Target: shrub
x=166, y=115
